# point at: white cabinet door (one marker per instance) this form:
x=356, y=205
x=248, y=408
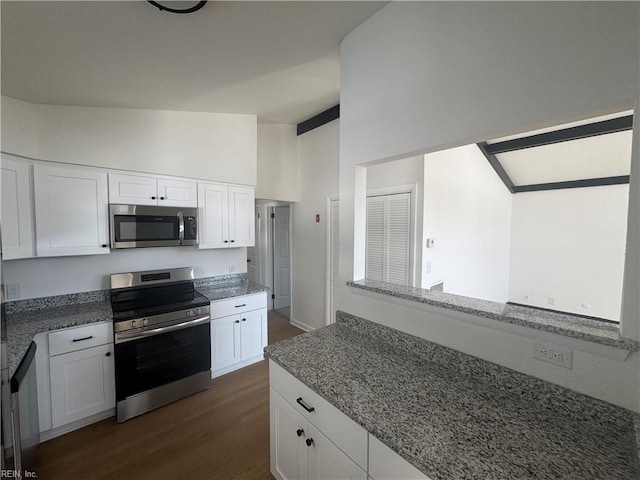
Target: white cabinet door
x=253, y=333
x=16, y=210
x=225, y=342
x=242, y=231
x=71, y=211
x=326, y=461
x=82, y=384
x=213, y=215
x=288, y=435
x=132, y=189
x=177, y=193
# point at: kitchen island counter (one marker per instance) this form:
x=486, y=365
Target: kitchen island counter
x=456, y=417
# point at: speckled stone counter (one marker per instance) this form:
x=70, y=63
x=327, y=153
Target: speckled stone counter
x=26, y=318
x=454, y=416
x=23, y=325
x=228, y=290
x=554, y=322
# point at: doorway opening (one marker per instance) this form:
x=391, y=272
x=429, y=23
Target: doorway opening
x=269, y=262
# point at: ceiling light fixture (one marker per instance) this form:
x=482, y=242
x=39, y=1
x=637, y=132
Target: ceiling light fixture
x=193, y=8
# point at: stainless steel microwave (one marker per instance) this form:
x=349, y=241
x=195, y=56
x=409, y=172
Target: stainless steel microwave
x=135, y=226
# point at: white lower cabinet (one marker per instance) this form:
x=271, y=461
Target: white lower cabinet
x=238, y=332
x=311, y=439
x=81, y=377
x=300, y=451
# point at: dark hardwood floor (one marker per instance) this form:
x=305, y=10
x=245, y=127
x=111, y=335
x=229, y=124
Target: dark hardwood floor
x=221, y=433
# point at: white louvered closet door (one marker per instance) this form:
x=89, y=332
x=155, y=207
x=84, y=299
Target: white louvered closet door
x=334, y=239
x=388, y=250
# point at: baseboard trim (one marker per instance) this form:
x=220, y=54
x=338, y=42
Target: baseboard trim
x=236, y=366
x=70, y=427
x=301, y=325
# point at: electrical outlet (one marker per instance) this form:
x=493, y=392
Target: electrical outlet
x=428, y=266
x=12, y=291
x=232, y=268
x=553, y=354
x=552, y=301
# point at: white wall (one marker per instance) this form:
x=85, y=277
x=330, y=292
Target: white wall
x=420, y=77
x=406, y=171
x=277, y=163
x=569, y=245
x=43, y=277
x=318, y=179
x=468, y=214
x=399, y=172
x=209, y=146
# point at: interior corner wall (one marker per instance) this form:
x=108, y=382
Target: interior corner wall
x=568, y=246
x=319, y=167
x=209, y=146
x=278, y=168
x=420, y=77
x=468, y=215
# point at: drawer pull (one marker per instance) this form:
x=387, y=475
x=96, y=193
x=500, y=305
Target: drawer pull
x=309, y=442
x=304, y=405
x=82, y=339
x=243, y=305
x=300, y=432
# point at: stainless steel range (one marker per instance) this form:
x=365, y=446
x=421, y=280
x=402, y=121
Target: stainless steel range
x=162, y=339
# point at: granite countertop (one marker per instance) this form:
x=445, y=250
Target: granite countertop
x=565, y=324
x=26, y=318
x=22, y=326
x=228, y=290
x=455, y=417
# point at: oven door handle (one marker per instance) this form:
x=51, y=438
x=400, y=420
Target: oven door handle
x=128, y=336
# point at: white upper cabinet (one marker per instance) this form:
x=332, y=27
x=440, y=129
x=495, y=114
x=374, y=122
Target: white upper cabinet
x=148, y=190
x=225, y=216
x=71, y=207
x=132, y=189
x=242, y=228
x=16, y=210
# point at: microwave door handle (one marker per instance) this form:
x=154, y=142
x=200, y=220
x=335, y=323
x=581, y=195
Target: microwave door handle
x=180, y=228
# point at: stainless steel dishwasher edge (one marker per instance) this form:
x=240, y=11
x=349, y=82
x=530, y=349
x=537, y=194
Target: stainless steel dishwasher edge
x=25, y=424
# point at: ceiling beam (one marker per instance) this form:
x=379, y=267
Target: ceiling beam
x=589, y=182
x=497, y=166
x=604, y=127
x=319, y=120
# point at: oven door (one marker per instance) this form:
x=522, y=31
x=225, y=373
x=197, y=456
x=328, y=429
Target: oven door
x=146, y=360
x=134, y=226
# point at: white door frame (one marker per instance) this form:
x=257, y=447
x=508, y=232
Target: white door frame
x=328, y=309
x=266, y=246
x=272, y=251
x=258, y=245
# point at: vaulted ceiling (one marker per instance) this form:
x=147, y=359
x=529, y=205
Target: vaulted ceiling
x=279, y=60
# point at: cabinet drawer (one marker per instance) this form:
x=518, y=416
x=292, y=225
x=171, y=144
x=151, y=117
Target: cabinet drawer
x=78, y=338
x=350, y=437
x=385, y=464
x=231, y=306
